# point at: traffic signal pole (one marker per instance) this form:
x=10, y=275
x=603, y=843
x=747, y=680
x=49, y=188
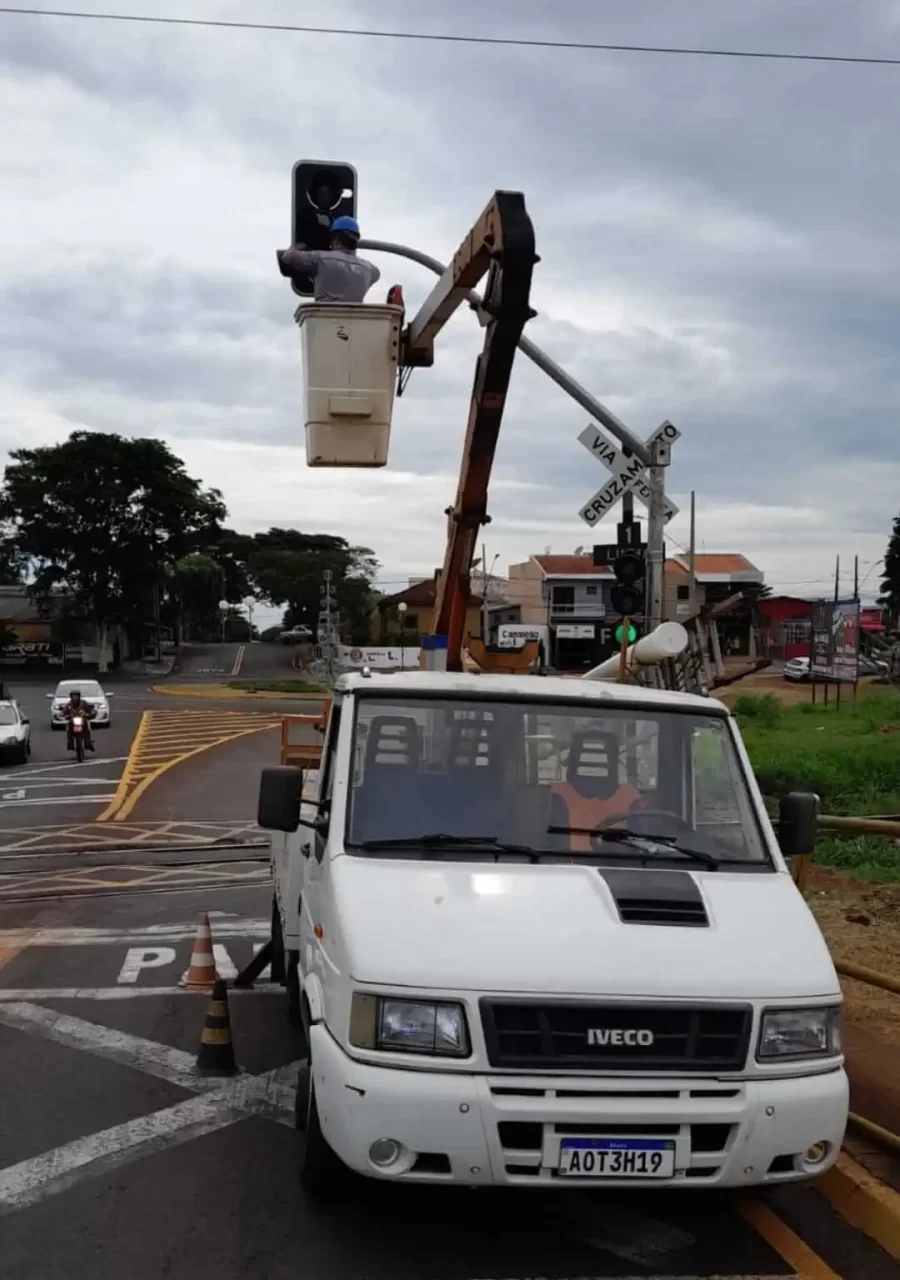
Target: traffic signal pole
x=660, y=454
x=655, y=457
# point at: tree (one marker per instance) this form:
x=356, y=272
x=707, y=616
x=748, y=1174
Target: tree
x=287, y=568
x=11, y=567
x=890, y=583
x=104, y=519
x=197, y=583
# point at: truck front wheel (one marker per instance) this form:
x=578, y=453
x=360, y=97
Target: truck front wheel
x=322, y=1174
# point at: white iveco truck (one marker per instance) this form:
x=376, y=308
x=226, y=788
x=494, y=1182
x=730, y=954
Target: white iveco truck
x=541, y=932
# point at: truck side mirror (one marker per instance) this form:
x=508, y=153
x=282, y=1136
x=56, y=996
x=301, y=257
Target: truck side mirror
x=797, y=820
x=280, y=790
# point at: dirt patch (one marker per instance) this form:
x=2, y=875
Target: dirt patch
x=789, y=692
x=861, y=923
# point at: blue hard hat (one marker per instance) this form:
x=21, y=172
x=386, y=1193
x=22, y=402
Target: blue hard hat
x=346, y=224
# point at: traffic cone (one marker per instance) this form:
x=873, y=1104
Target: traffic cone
x=216, y=1056
x=201, y=973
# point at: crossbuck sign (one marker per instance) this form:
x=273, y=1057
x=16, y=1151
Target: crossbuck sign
x=627, y=473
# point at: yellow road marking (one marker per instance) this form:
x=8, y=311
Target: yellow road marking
x=167, y=738
x=68, y=837
x=796, y=1252
x=127, y=773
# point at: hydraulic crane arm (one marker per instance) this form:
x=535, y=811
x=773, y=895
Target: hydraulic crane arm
x=502, y=244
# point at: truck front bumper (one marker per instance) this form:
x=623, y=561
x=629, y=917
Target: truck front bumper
x=504, y=1130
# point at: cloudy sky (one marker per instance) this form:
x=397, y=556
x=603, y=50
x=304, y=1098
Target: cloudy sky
x=718, y=240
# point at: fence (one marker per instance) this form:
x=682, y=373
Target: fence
x=889, y=829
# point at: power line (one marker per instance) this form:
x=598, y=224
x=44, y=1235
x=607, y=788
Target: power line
x=509, y=42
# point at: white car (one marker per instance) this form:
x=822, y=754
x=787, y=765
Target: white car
x=15, y=732
x=91, y=694
x=796, y=669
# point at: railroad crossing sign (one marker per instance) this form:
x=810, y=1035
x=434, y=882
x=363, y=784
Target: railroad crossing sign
x=627, y=473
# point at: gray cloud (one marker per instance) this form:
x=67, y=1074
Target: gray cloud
x=718, y=237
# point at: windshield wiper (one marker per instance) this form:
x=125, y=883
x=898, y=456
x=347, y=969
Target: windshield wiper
x=621, y=835
x=442, y=840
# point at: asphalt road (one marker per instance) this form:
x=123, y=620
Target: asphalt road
x=115, y=1160
x=52, y=789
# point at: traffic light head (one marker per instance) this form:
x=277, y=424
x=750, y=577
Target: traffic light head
x=322, y=190
x=626, y=596
x=620, y=633
x=629, y=568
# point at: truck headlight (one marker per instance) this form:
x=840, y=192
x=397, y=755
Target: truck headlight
x=409, y=1026
x=800, y=1033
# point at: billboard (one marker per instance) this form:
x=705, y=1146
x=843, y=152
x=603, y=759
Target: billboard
x=32, y=653
x=834, y=653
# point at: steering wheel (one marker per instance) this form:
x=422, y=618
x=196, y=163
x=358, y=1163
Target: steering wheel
x=628, y=818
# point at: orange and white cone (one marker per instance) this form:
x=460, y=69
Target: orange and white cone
x=201, y=973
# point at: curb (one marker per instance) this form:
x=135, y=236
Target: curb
x=220, y=693
x=863, y=1201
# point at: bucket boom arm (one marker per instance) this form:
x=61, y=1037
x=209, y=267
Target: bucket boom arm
x=501, y=243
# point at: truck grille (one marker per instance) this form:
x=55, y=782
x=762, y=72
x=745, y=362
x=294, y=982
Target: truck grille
x=571, y=1036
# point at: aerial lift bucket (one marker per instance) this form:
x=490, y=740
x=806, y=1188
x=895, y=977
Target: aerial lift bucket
x=350, y=356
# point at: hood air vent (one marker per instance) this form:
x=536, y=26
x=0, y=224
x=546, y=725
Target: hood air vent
x=657, y=897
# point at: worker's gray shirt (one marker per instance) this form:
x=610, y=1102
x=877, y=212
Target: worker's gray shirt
x=337, y=276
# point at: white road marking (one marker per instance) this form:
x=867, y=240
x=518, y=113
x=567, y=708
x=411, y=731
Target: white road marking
x=233, y=927
x=69, y=781
x=13, y=795
x=122, y=993
x=139, y=958
x=27, y=1183
x=32, y=771
x=173, y=1065
x=31, y=1181
x=48, y=800
x=225, y=966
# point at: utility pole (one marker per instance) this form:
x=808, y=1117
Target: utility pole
x=856, y=577
x=692, y=556
x=484, y=599
x=660, y=457
x=837, y=579
x=327, y=625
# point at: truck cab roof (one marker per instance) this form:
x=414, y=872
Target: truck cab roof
x=543, y=688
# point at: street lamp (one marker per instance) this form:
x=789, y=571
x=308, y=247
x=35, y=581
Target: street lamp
x=224, y=606
x=401, y=609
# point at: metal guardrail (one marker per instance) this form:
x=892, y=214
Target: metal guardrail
x=890, y=830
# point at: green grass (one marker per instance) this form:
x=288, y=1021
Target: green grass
x=276, y=686
x=850, y=758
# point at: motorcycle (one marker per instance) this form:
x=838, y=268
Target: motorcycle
x=78, y=736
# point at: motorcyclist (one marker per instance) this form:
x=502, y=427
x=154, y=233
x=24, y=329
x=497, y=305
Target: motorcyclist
x=75, y=707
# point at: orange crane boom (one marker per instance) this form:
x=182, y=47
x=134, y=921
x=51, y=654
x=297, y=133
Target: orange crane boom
x=501, y=244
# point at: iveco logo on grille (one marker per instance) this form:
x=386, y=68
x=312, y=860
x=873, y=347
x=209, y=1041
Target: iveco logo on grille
x=608, y=1035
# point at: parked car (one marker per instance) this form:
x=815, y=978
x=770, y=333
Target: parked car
x=296, y=635
x=798, y=668
x=91, y=693
x=15, y=732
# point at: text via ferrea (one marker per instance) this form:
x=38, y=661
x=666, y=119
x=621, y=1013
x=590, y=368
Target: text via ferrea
x=138, y=959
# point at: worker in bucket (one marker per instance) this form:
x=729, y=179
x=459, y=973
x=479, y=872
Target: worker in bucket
x=338, y=274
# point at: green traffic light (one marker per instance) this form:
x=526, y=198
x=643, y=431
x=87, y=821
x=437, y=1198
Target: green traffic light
x=620, y=632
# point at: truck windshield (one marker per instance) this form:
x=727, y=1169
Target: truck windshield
x=517, y=778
